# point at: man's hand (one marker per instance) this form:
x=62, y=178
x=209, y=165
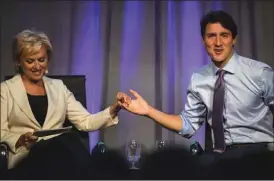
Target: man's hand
x=122, y=99
x=138, y=105
x=26, y=140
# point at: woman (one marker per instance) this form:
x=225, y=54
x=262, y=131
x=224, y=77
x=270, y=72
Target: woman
x=31, y=101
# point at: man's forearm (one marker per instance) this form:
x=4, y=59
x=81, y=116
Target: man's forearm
x=173, y=122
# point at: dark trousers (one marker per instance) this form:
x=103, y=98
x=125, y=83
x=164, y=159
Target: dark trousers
x=62, y=157
x=252, y=161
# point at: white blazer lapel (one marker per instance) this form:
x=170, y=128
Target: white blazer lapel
x=52, y=99
x=19, y=94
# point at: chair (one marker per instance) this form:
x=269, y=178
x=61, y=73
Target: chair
x=77, y=85
x=3, y=160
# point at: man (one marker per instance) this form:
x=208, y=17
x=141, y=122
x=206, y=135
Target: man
x=233, y=93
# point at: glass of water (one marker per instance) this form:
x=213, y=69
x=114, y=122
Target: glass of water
x=133, y=153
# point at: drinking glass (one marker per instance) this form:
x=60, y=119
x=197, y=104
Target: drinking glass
x=133, y=153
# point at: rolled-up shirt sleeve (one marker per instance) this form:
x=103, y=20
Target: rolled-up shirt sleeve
x=267, y=86
x=194, y=113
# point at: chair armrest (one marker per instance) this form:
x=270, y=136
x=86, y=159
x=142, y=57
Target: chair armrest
x=4, y=154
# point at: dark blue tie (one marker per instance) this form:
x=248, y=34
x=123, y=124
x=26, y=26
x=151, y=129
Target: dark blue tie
x=217, y=113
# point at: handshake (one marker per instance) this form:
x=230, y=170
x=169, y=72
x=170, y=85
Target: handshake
x=137, y=105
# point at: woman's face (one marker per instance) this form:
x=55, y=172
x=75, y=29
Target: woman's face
x=35, y=65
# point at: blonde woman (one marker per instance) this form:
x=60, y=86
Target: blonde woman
x=31, y=101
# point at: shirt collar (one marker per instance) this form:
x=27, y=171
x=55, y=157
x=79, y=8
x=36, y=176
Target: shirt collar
x=230, y=66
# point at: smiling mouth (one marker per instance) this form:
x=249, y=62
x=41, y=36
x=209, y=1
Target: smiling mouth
x=218, y=51
x=37, y=73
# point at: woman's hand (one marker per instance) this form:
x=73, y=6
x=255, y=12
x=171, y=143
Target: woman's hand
x=122, y=99
x=26, y=140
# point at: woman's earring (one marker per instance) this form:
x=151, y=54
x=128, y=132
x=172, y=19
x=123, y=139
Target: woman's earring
x=46, y=71
x=17, y=68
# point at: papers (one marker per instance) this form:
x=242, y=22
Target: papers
x=48, y=132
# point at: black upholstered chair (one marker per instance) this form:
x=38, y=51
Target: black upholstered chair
x=77, y=85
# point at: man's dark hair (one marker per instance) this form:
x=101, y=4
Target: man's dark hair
x=219, y=17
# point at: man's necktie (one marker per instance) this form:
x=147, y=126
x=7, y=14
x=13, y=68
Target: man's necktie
x=217, y=113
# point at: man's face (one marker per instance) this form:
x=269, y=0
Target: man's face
x=219, y=43
x=34, y=66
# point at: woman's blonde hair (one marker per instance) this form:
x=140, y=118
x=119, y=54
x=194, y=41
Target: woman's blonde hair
x=28, y=42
